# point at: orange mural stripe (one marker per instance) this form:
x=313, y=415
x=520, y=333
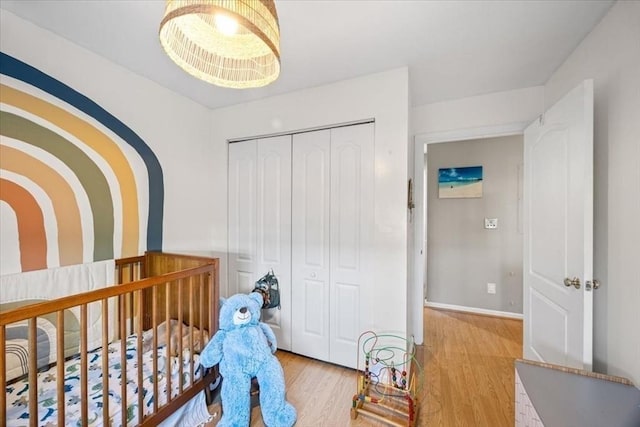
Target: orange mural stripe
x=65, y=205
x=101, y=144
x=31, y=234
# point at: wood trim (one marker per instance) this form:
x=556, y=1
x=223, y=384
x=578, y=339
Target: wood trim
x=615, y=379
x=473, y=310
x=33, y=373
x=60, y=367
x=3, y=379
x=481, y=132
x=39, y=309
x=305, y=130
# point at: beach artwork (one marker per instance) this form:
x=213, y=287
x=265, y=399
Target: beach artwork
x=460, y=182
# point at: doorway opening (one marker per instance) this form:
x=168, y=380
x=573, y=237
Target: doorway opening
x=471, y=247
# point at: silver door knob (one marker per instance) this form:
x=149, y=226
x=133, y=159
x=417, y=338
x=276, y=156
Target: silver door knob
x=572, y=282
x=595, y=284
x=313, y=275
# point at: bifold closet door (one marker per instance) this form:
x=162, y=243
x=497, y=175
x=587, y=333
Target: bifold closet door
x=332, y=241
x=352, y=245
x=260, y=223
x=242, y=216
x=311, y=183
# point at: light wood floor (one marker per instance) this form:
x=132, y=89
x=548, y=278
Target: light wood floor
x=468, y=363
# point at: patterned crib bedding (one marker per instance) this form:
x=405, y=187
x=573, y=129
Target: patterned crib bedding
x=17, y=347
x=17, y=394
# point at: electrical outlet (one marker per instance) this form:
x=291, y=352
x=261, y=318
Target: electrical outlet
x=491, y=288
x=491, y=223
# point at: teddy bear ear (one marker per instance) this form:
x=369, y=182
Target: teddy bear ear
x=222, y=301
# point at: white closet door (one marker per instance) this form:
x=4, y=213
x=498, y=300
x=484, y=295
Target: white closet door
x=310, y=244
x=352, y=178
x=242, y=216
x=273, y=226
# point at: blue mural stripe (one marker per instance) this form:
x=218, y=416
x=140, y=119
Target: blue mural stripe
x=19, y=70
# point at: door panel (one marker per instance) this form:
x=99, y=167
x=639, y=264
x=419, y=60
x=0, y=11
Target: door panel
x=242, y=216
x=558, y=234
x=347, y=308
x=310, y=244
x=315, y=318
x=351, y=239
x=274, y=229
x=548, y=342
x=346, y=180
x=548, y=207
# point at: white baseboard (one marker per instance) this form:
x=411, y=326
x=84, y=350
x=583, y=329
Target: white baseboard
x=473, y=310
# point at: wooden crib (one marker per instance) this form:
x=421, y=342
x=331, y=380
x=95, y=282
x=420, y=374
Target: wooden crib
x=153, y=324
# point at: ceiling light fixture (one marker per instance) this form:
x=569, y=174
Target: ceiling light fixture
x=229, y=43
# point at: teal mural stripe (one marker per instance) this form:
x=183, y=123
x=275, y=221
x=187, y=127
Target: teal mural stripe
x=17, y=69
x=90, y=176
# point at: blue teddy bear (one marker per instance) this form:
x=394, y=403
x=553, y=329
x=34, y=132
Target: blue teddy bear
x=244, y=347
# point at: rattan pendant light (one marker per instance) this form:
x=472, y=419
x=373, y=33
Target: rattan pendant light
x=230, y=43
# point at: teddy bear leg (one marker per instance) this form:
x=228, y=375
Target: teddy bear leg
x=236, y=410
x=276, y=411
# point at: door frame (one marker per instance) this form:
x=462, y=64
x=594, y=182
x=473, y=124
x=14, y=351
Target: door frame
x=418, y=258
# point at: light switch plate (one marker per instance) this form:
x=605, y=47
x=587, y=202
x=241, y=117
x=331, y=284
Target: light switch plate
x=491, y=288
x=491, y=223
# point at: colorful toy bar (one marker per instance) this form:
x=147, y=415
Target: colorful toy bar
x=389, y=380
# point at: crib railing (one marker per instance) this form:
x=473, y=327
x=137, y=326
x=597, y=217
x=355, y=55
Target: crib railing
x=139, y=304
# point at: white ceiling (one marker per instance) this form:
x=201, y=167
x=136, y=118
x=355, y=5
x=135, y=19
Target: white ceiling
x=453, y=49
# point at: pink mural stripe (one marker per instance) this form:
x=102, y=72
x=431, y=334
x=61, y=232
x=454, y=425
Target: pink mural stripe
x=65, y=205
x=102, y=144
x=31, y=234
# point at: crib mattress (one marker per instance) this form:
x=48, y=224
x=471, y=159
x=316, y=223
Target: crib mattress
x=17, y=394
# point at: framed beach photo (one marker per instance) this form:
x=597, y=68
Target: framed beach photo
x=464, y=182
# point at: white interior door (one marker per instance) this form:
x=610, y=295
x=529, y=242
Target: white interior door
x=242, y=216
x=260, y=223
x=310, y=244
x=352, y=179
x=558, y=237
x=273, y=225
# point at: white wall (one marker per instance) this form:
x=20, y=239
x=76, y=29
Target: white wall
x=519, y=106
x=382, y=96
x=174, y=127
x=610, y=55
x=462, y=255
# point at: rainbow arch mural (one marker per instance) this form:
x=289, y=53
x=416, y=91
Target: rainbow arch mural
x=77, y=185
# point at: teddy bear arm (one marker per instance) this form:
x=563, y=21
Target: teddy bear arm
x=271, y=337
x=212, y=353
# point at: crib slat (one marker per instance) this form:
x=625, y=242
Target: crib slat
x=191, y=373
x=60, y=366
x=200, y=308
x=122, y=322
x=154, y=321
x=138, y=311
x=33, y=373
x=3, y=373
x=105, y=362
x=167, y=352
x=130, y=301
x=180, y=332
x=84, y=371
x=211, y=300
x=119, y=273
